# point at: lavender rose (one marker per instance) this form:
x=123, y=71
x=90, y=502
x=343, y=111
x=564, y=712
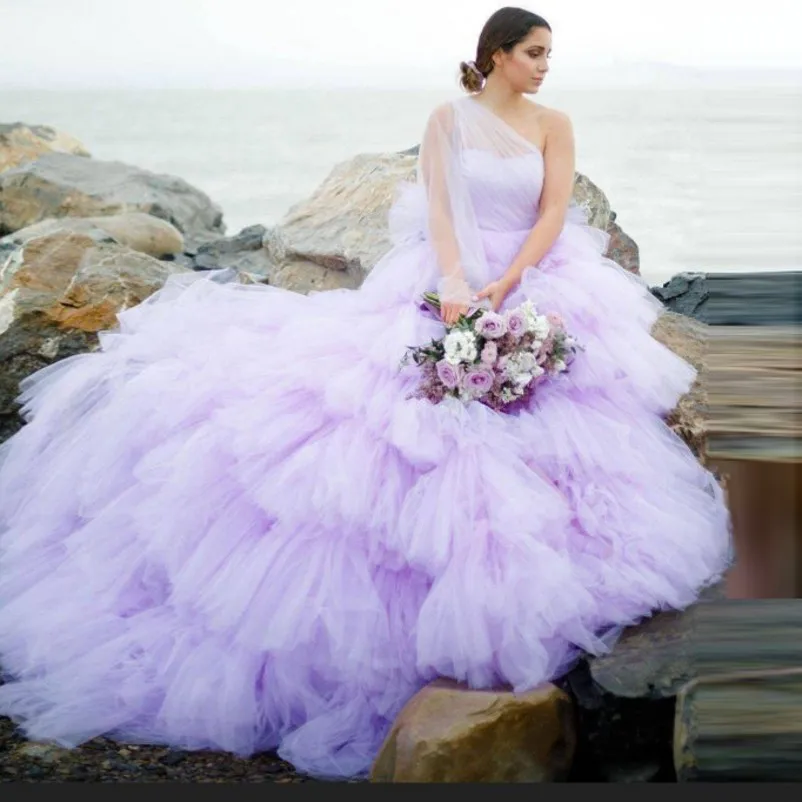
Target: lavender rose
x=449, y=374
x=516, y=324
x=489, y=354
x=491, y=326
x=478, y=381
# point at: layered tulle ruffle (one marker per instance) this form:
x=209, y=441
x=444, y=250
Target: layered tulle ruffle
x=232, y=528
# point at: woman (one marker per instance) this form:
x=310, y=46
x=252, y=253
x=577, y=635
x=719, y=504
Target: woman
x=234, y=528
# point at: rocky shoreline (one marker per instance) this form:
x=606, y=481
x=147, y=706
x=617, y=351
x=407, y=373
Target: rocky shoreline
x=105, y=761
x=81, y=240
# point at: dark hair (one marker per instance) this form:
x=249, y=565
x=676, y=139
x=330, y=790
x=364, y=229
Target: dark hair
x=506, y=28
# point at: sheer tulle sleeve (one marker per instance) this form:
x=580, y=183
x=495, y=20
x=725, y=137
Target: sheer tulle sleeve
x=451, y=225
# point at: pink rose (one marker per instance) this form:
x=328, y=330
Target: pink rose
x=478, y=381
x=450, y=375
x=489, y=354
x=491, y=326
x=516, y=324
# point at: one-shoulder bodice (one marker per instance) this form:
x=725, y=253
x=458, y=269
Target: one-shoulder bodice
x=504, y=191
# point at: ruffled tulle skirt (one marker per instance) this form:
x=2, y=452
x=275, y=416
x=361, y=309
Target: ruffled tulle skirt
x=232, y=528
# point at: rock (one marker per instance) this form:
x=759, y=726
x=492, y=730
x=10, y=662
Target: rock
x=622, y=248
x=634, y=772
x=63, y=185
x=20, y=143
x=244, y=252
x=173, y=758
x=765, y=298
x=182, y=259
x=249, y=239
x=303, y=276
x=618, y=739
x=593, y=201
x=136, y=230
x=740, y=727
x=655, y=658
x=342, y=227
x=56, y=292
x=625, y=699
x=45, y=752
x=684, y=293
x=260, y=256
x=447, y=733
x=688, y=339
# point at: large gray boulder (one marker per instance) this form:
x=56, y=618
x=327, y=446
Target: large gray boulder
x=625, y=700
x=64, y=185
x=656, y=658
x=759, y=298
x=343, y=226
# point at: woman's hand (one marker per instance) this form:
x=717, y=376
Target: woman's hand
x=450, y=312
x=496, y=292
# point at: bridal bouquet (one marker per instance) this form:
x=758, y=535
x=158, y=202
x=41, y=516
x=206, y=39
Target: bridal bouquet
x=497, y=359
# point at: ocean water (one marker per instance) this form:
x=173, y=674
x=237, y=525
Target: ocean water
x=705, y=178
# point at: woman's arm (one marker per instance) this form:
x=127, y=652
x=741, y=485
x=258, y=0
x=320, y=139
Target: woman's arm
x=558, y=187
x=436, y=156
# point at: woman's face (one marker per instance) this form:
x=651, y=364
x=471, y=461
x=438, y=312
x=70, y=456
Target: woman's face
x=526, y=65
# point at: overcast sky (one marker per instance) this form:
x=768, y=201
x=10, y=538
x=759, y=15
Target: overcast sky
x=221, y=43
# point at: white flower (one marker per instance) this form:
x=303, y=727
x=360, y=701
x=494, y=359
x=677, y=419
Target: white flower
x=559, y=366
x=523, y=363
x=541, y=327
x=507, y=395
x=529, y=311
x=526, y=361
x=460, y=346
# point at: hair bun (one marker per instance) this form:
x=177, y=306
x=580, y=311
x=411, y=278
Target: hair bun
x=471, y=77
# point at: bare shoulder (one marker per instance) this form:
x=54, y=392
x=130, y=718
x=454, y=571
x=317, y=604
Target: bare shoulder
x=555, y=121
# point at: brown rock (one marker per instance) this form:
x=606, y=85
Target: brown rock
x=623, y=249
x=689, y=339
x=342, y=226
x=447, y=733
x=20, y=143
x=56, y=293
x=593, y=201
x=304, y=276
x=136, y=230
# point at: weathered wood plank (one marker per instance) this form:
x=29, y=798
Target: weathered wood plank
x=741, y=726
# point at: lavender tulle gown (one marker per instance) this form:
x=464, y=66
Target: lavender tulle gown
x=231, y=528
